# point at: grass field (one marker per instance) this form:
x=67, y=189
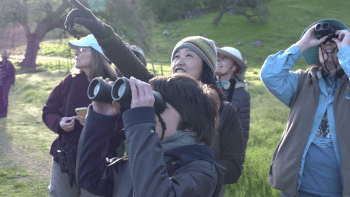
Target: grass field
x=25, y=140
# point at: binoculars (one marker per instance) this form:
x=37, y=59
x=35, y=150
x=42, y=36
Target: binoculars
x=325, y=29
x=102, y=91
x=67, y=161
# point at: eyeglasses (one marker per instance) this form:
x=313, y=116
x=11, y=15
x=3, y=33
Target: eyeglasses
x=81, y=49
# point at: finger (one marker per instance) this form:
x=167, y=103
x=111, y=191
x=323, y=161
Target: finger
x=84, y=22
x=323, y=39
x=141, y=88
x=337, y=41
x=69, y=19
x=107, y=80
x=149, y=94
x=78, y=5
x=72, y=122
x=69, y=118
x=134, y=93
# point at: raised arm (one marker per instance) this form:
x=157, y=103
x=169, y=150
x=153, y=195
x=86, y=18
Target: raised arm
x=148, y=169
x=275, y=72
x=276, y=76
x=112, y=45
x=93, y=172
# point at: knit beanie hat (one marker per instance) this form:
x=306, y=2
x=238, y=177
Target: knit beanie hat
x=203, y=47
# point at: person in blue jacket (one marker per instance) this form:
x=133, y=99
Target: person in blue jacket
x=313, y=155
x=169, y=154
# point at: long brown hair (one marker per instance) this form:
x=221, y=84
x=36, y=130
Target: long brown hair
x=99, y=67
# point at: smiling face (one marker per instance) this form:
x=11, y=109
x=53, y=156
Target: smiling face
x=224, y=66
x=83, y=58
x=187, y=61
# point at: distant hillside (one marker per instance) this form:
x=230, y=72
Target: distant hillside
x=285, y=24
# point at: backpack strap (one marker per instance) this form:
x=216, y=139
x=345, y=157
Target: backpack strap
x=231, y=90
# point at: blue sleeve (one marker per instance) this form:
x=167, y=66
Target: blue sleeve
x=94, y=173
x=344, y=59
x=276, y=76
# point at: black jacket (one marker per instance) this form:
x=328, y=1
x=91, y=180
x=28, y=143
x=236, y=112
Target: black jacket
x=241, y=100
x=149, y=171
x=231, y=141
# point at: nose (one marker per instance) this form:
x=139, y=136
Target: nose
x=180, y=61
x=328, y=43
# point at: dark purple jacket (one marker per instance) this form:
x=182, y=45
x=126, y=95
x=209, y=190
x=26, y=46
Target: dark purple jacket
x=71, y=93
x=7, y=73
x=149, y=171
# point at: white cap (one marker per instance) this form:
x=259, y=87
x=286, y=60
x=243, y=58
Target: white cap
x=88, y=41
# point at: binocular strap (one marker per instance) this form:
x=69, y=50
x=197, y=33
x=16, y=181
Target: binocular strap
x=335, y=64
x=163, y=125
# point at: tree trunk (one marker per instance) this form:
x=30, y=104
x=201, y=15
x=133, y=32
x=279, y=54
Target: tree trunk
x=31, y=52
x=222, y=10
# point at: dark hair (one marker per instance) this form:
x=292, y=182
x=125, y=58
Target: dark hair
x=197, y=103
x=340, y=72
x=101, y=67
x=208, y=77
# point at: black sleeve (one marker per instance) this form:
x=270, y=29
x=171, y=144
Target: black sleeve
x=231, y=141
x=244, y=117
x=123, y=57
x=93, y=172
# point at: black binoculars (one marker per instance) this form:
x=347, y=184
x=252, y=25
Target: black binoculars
x=325, y=29
x=67, y=161
x=102, y=91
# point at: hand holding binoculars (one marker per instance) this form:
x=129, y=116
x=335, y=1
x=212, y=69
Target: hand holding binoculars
x=325, y=29
x=120, y=91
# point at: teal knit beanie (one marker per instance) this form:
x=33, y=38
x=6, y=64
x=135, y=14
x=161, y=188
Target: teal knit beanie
x=203, y=47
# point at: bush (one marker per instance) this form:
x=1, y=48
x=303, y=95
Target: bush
x=170, y=10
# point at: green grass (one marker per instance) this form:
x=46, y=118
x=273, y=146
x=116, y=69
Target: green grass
x=25, y=141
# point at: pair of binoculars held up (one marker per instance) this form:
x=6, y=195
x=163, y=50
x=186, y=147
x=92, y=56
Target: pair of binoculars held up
x=325, y=29
x=102, y=91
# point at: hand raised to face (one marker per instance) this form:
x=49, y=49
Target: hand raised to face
x=343, y=38
x=141, y=93
x=309, y=40
x=106, y=108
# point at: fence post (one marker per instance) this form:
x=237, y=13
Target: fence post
x=161, y=68
x=154, y=71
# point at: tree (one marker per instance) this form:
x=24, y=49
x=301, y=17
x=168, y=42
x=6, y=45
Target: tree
x=255, y=11
x=169, y=10
x=128, y=20
x=42, y=16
